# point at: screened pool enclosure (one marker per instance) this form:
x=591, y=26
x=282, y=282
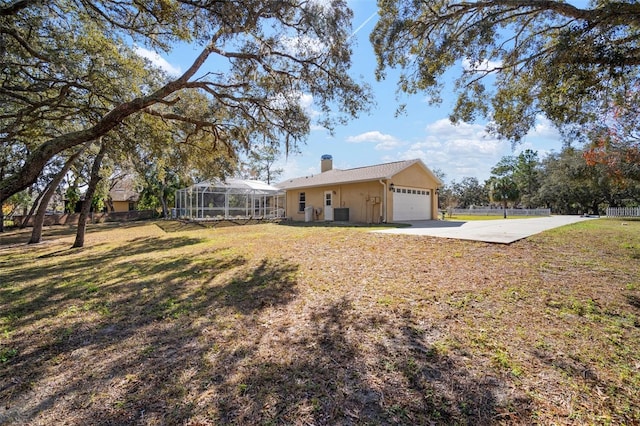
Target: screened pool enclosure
x=231, y=199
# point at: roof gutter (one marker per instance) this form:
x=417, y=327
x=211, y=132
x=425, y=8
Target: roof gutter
x=384, y=201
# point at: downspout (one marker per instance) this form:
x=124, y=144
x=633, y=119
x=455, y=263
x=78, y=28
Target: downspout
x=384, y=201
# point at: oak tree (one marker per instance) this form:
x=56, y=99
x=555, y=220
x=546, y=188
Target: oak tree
x=615, y=142
x=469, y=192
x=46, y=196
x=513, y=59
x=570, y=186
x=69, y=74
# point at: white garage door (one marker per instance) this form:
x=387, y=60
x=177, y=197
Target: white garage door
x=411, y=204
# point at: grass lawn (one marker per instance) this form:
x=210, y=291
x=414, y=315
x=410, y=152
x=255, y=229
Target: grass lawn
x=163, y=323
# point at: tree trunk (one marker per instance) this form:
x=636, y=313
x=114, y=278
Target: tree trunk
x=35, y=205
x=88, y=198
x=38, y=220
x=1, y=202
x=163, y=201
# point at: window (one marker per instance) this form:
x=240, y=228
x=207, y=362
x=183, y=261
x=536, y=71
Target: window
x=302, y=201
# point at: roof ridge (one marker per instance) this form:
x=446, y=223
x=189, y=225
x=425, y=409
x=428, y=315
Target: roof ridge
x=354, y=168
x=378, y=165
x=356, y=174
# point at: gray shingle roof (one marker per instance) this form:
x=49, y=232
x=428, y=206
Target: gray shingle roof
x=359, y=174
x=124, y=190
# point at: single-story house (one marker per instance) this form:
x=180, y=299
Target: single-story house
x=390, y=192
x=123, y=197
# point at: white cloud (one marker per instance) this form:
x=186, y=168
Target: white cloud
x=480, y=66
x=462, y=150
x=293, y=169
x=305, y=100
x=157, y=61
x=316, y=127
x=544, y=138
x=383, y=141
x=544, y=128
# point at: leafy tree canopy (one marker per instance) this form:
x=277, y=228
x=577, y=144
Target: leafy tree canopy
x=69, y=75
x=469, y=192
x=615, y=142
x=541, y=56
x=571, y=186
x=260, y=164
x=522, y=172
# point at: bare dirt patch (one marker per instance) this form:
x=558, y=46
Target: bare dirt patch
x=271, y=324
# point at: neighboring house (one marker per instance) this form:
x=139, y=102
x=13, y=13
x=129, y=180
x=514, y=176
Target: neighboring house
x=391, y=192
x=123, y=197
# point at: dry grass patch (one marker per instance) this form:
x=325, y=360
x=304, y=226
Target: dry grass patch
x=273, y=324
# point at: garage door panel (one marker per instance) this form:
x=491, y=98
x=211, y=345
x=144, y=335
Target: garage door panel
x=411, y=204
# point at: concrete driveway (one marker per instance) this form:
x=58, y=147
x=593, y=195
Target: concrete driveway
x=504, y=231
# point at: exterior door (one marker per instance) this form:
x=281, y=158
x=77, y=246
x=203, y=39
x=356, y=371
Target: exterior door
x=328, y=205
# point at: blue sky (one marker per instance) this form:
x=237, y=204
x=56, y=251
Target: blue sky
x=423, y=132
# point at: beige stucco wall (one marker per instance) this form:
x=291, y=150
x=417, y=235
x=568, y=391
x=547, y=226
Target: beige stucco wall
x=120, y=206
x=359, y=198
x=364, y=200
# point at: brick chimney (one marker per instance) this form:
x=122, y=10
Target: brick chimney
x=326, y=163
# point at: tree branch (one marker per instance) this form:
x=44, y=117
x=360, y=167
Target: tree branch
x=17, y=37
x=16, y=6
x=39, y=157
x=614, y=13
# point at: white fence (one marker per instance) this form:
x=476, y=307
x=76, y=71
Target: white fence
x=623, y=212
x=499, y=212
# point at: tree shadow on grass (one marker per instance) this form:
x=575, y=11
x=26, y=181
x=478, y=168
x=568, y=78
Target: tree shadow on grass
x=329, y=375
x=223, y=339
x=75, y=277
x=170, y=226
x=335, y=366
x=633, y=300
x=132, y=361
x=53, y=232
